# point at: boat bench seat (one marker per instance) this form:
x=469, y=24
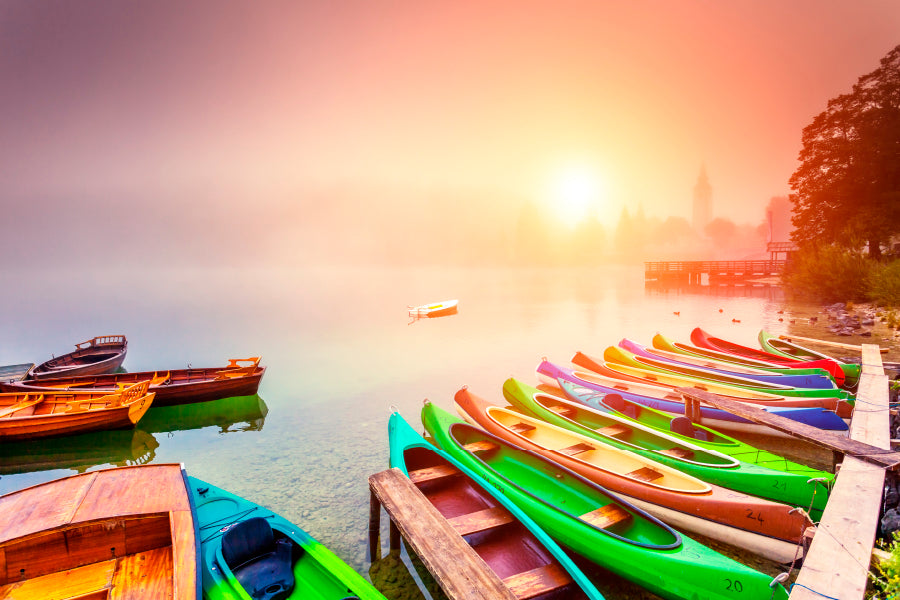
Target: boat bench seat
x=576, y=449
x=645, y=474
x=432, y=473
x=522, y=427
x=538, y=582
x=481, y=520
x=481, y=446
x=678, y=452
x=88, y=582
x=145, y=574
x=684, y=426
x=606, y=516
x=559, y=409
x=613, y=430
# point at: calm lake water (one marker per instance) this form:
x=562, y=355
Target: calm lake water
x=340, y=352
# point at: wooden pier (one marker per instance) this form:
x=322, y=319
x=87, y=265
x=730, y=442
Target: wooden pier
x=837, y=563
x=461, y=573
x=692, y=271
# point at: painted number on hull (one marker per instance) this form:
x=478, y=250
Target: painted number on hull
x=754, y=516
x=733, y=585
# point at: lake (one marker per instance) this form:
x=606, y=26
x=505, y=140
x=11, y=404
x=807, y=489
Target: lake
x=340, y=352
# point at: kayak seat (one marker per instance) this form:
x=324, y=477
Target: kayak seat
x=262, y=565
x=618, y=404
x=684, y=426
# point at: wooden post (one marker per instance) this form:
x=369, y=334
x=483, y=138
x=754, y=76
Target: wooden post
x=374, y=527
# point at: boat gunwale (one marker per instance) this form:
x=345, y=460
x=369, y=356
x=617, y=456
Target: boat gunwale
x=603, y=491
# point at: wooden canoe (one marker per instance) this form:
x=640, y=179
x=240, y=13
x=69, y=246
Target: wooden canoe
x=101, y=535
x=521, y=554
x=763, y=526
x=28, y=416
x=103, y=354
x=241, y=377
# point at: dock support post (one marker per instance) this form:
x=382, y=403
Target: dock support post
x=374, y=527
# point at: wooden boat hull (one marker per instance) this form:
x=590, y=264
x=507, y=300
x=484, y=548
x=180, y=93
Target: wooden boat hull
x=76, y=540
x=793, y=351
x=69, y=414
x=671, y=403
x=178, y=386
x=317, y=572
x=632, y=543
x=681, y=453
x=437, y=309
x=519, y=548
x=721, y=511
x=102, y=355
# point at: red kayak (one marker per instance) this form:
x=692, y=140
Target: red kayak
x=704, y=340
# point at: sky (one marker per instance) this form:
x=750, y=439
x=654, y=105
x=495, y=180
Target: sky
x=212, y=104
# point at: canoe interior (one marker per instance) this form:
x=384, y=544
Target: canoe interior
x=563, y=490
x=100, y=536
x=623, y=463
x=512, y=552
x=606, y=425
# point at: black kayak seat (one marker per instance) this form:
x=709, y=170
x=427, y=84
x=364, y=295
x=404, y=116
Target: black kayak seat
x=684, y=426
x=262, y=565
x=618, y=404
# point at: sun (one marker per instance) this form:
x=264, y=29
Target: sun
x=575, y=193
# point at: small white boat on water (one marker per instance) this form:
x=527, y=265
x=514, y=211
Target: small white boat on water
x=436, y=309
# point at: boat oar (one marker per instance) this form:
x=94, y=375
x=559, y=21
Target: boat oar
x=790, y=338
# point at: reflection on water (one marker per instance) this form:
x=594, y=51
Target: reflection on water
x=133, y=446
x=730, y=290
x=79, y=453
x=230, y=415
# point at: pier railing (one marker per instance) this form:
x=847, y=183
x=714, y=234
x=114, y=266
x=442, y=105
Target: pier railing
x=693, y=270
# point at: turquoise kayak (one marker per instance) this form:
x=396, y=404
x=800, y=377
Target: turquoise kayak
x=248, y=552
x=522, y=555
x=595, y=523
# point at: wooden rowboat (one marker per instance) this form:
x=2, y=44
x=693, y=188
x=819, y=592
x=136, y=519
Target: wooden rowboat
x=28, y=416
x=177, y=386
x=527, y=561
x=762, y=526
x=101, y=535
x=103, y=354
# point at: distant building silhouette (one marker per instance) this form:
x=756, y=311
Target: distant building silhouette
x=702, y=202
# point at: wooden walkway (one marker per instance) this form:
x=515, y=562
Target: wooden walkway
x=837, y=563
x=461, y=573
x=691, y=271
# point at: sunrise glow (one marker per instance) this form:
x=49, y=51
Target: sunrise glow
x=576, y=193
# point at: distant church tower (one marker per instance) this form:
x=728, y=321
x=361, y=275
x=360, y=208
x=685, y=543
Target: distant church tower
x=702, y=201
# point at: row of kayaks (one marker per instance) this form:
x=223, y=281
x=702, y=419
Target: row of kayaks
x=86, y=394
x=601, y=457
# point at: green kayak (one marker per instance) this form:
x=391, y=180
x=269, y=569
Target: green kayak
x=684, y=429
x=249, y=552
x=521, y=553
x=772, y=344
x=794, y=489
x=597, y=525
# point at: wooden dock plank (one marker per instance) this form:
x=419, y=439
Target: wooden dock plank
x=461, y=573
x=881, y=457
x=837, y=563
